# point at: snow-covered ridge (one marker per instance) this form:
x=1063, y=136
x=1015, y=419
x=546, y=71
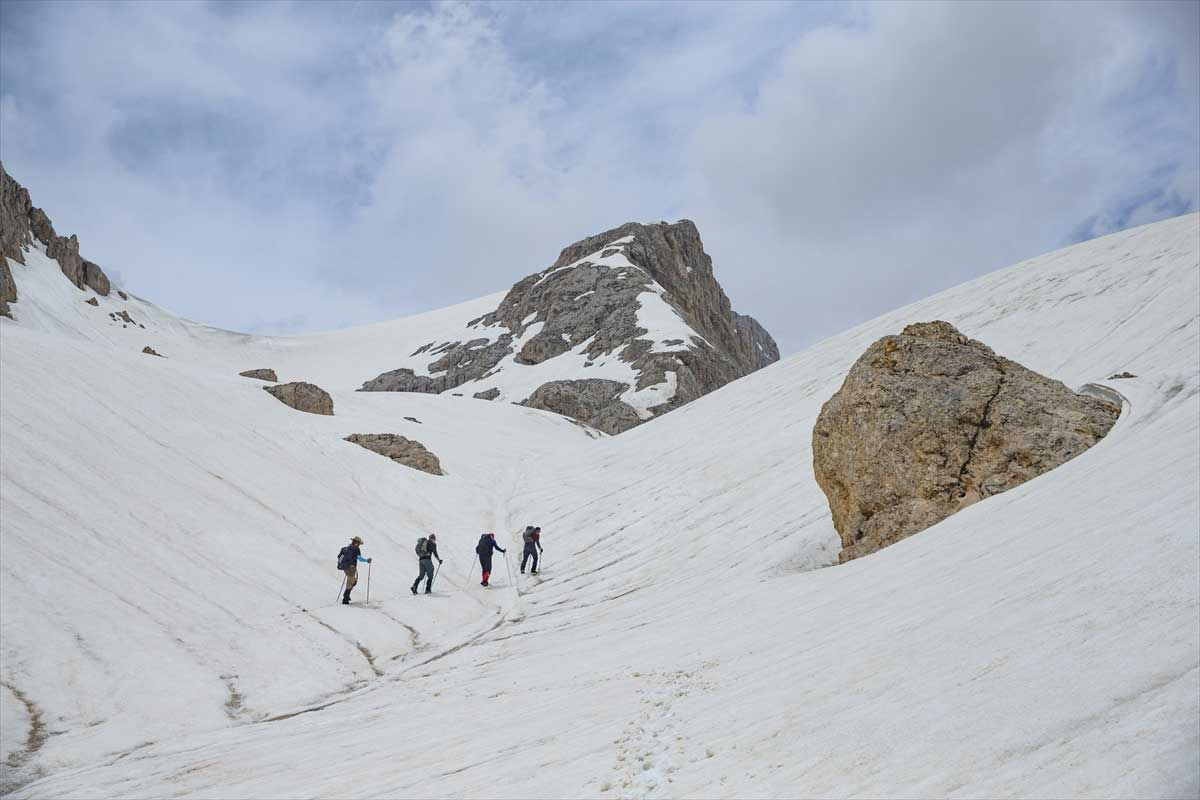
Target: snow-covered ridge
x=167, y=602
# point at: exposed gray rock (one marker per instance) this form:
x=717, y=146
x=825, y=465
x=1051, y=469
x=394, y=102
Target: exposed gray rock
x=490, y=394
x=122, y=295
x=408, y=452
x=8, y=288
x=928, y=422
x=261, y=374
x=21, y=223
x=593, y=401
x=150, y=351
x=457, y=363
x=91, y=301
x=580, y=300
x=303, y=397
x=1121, y=375
x=40, y=225
x=414, y=419
x=15, y=206
x=94, y=277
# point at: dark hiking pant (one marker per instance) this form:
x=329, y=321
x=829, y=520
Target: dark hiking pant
x=530, y=550
x=426, y=573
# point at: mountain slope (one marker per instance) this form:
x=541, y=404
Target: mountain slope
x=1042, y=642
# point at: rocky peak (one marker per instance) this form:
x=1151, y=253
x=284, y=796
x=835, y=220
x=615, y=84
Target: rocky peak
x=21, y=224
x=634, y=316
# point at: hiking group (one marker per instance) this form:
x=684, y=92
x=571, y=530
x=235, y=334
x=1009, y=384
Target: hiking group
x=350, y=556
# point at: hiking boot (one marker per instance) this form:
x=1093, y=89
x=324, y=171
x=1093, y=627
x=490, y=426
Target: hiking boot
x=345, y=599
x=533, y=572
x=428, y=591
x=414, y=588
x=483, y=583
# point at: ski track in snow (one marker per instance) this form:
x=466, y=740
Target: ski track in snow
x=169, y=529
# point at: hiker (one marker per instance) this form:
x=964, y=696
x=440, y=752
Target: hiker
x=348, y=558
x=487, y=543
x=532, y=538
x=426, y=553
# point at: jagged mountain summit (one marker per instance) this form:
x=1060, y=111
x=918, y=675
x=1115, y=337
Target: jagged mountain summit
x=624, y=326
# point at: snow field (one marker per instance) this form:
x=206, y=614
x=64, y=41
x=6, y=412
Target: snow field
x=679, y=642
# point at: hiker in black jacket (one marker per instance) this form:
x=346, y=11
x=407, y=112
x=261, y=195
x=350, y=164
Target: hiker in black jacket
x=426, y=553
x=487, y=543
x=533, y=544
x=348, y=558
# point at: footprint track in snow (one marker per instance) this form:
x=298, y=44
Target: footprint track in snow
x=654, y=745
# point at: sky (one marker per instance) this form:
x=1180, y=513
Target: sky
x=295, y=167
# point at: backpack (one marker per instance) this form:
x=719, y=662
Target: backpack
x=529, y=536
x=344, y=558
x=422, y=547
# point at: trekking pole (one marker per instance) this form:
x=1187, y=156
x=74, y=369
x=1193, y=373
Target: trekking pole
x=472, y=566
x=435, y=574
x=339, y=594
x=368, y=582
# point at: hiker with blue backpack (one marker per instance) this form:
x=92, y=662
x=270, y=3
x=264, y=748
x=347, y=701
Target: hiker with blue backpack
x=426, y=553
x=348, y=558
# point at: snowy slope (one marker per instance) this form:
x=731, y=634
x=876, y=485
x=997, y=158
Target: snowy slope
x=1044, y=642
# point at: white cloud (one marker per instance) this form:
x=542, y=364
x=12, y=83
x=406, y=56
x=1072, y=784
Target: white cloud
x=297, y=166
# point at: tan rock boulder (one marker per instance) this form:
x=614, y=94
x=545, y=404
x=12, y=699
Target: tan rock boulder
x=929, y=422
x=303, y=397
x=261, y=374
x=409, y=452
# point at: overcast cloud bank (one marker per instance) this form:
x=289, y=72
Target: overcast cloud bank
x=292, y=167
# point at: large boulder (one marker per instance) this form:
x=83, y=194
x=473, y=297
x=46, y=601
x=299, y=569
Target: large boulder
x=928, y=422
x=303, y=397
x=408, y=452
x=592, y=401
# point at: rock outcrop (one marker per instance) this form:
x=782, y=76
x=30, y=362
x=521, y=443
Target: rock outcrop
x=261, y=374
x=303, y=397
x=21, y=223
x=8, y=288
x=408, y=452
x=928, y=422
x=150, y=351
x=638, y=301
x=592, y=401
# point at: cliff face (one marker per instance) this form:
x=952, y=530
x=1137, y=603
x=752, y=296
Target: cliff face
x=623, y=326
x=21, y=224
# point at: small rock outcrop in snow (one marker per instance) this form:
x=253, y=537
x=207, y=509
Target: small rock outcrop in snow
x=592, y=401
x=303, y=397
x=261, y=374
x=21, y=223
x=490, y=394
x=408, y=452
x=150, y=351
x=929, y=422
x=636, y=307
